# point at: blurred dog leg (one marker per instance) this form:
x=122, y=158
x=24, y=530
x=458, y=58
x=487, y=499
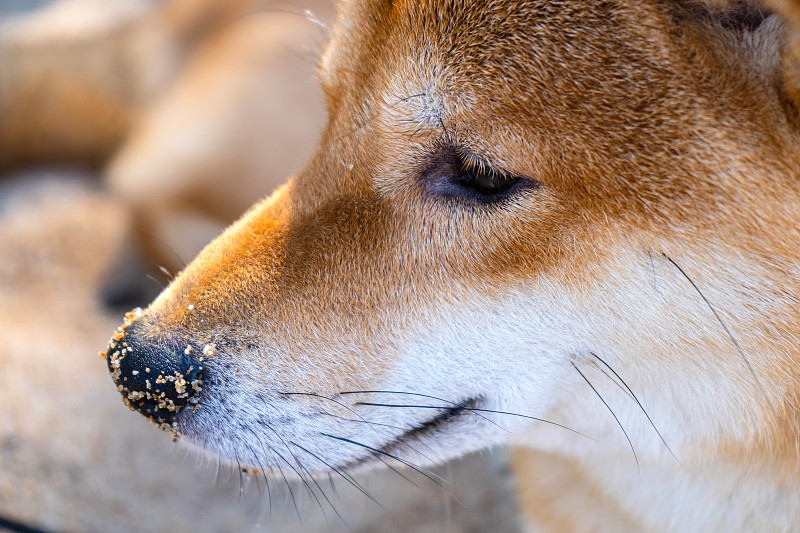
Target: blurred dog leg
x=555, y=494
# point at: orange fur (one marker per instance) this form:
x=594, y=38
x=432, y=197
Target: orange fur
x=658, y=143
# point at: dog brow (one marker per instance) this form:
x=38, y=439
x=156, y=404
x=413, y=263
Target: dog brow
x=420, y=105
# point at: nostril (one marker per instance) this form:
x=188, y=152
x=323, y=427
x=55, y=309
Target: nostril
x=157, y=379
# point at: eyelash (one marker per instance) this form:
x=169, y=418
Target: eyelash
x=459, y=176
x=480, y=177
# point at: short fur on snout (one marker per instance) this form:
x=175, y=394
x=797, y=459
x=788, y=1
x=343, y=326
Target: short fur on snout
x=625, y=303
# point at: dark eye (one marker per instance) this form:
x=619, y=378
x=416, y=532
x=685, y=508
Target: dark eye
x=458, y=175
x=480, y=177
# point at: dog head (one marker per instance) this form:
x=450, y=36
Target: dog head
x=515, y=207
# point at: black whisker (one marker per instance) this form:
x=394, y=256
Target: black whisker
x=444, y=128
x=471, y=409
x=362, y=420
x=333, y=487
x=302, y=478
x=280, y=470
x=241, y=482
x=291, y=492
x=609, y=410
x=632, y=395
x=398, y=438
x=396, y=471
x=319, y=488
x=614, y=381
x=371, y=424
x=405, y=443
x=345, y=419
x=387, y=454
x=407, y=98
x=263, y=470
x=341, y=473
x=721, y=322
x=423, y=396
x=264, y=473
x=340, y=404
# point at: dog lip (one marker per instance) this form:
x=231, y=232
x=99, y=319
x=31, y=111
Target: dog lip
x=435, y=423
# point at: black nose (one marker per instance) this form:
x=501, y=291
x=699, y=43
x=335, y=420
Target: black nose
x=156, y=378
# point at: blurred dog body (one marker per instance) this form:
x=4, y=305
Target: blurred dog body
x=193, y=109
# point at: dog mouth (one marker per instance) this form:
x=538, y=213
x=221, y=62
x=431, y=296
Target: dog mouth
x=446, y=417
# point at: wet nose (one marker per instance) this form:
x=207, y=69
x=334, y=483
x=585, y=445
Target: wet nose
x=156, y=378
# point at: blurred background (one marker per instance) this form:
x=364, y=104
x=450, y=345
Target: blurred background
x=131, y=133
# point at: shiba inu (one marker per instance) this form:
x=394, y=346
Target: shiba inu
x=568, y=225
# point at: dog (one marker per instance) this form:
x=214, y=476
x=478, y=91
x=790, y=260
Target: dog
x=171, y=102
x=571, y=226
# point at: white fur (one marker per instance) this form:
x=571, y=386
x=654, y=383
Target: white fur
x=516, y=350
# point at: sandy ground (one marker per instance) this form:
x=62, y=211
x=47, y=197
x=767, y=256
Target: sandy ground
x=73, y=458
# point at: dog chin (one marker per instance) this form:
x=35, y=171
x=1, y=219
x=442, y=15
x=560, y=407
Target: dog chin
x=444, y=435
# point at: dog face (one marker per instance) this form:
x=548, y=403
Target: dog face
x=509, y=199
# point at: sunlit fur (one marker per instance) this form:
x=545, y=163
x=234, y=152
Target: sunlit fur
x=650, y=270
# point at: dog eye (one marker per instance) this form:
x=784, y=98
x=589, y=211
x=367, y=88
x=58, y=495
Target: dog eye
x=481, y=178
x=458, y=175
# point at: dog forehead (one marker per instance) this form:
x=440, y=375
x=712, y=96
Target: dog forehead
x=466, y=39
x=476, y=61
